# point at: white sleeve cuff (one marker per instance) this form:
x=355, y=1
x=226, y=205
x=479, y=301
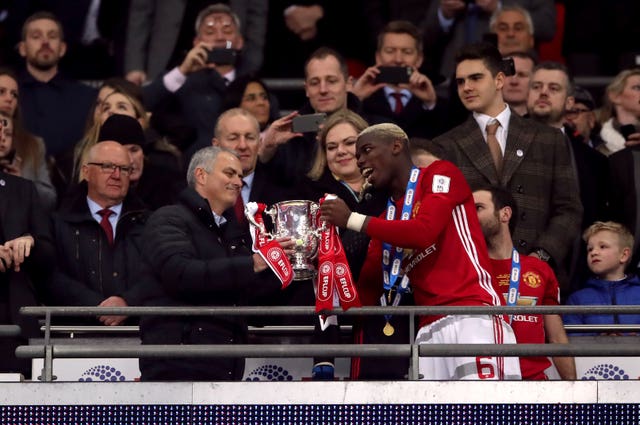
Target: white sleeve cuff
x=356, y=221
x=173, y=80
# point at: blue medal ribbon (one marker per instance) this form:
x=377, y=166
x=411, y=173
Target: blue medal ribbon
x=391, y=263
x=514, y=281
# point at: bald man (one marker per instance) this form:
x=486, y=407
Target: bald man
x=97, y=231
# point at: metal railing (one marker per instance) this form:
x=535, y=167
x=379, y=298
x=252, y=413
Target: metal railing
x=48, y=351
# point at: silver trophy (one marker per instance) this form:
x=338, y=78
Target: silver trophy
x=297, y=220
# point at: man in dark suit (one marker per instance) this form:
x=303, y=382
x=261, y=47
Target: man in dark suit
x=412, y=105
x=496, y=146
x=26, y=258
x=550, y=97
x=195, y=89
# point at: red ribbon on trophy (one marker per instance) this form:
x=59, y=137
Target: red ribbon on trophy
x=334, y=274
x=267, y=248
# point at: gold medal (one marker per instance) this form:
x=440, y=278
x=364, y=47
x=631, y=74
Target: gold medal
x=388, y=329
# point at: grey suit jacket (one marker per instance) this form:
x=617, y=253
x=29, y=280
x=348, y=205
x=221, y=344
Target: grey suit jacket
x=154, y=26
x=537, y=170
x=438, y=42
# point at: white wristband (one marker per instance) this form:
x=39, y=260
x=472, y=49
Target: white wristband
x=356, y=221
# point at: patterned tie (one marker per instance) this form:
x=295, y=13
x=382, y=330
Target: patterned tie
x=106, y=224
x=399, y=106
x=494, y=146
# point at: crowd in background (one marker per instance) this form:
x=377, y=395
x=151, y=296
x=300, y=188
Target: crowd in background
x=117, y=108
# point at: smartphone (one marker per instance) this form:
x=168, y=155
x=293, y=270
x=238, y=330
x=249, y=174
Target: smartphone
x=222, y=56
x=307, y=123
x=394, y=74
x=627, y=130
x=508, y=67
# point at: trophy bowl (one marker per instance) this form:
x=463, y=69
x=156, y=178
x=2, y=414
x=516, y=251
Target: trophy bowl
x=297, y=219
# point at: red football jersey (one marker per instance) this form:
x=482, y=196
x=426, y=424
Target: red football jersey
x=538, y=286
x=445, y=251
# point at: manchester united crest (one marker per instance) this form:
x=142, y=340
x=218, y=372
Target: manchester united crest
x=532, y=279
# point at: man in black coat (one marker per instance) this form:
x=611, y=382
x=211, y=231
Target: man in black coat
x=26, y=258
x=195, y=254
x=98, y=231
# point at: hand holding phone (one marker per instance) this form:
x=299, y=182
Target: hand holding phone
x=394, y=74
x=308, y=123
x=222, y=56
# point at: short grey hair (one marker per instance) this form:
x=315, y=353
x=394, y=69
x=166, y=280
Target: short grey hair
x=514, y=8
x=218, y=8
x=232, y=113
x=204, y=158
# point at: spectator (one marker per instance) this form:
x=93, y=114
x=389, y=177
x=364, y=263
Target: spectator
x=516, y=87
x=22, y=153
x=335, y=170
x=197, y=84
x=412, y=105
x=621, y=107
x=609, y=251
x=54, y=107
x=195, y=255
x=160, y=34
x=535, y=284
x=151, y=180
x=251, y=93
x=450, y=24
x=289, y=155
x=98, y=232
x=581, y=120
x=550, y=96
x=531, y=160
x=514, y=27
x=431, y=216
x=26, y=260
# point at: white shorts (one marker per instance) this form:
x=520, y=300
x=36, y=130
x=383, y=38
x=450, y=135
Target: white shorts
x=458, y=329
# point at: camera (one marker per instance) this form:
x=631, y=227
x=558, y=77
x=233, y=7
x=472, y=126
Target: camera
x=222, y=56
x=508, y=67
x=394, y=74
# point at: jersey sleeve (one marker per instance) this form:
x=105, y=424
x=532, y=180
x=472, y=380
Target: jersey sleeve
x=441, y=188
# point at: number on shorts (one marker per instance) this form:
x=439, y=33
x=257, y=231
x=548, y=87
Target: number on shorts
x=486, y=369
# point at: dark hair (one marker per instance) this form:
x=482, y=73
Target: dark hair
x=324, y=52
x=235, y=92
x=501, y=198
x=529, y=54
x=42, y=15
x=417, y=144
x=486, y=52
x=556, y=66
x=401, y=27
x=26, y=144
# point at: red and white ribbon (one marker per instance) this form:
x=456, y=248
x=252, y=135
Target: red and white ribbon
x=268, y=249
x=334, y=274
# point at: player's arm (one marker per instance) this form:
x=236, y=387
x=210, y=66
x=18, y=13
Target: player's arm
x=555, y=333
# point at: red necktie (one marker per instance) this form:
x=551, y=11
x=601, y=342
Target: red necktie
x=399, y=106
x=106, y=224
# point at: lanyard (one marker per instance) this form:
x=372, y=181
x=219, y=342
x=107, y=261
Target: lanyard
x=514, y=280
x=391, y=267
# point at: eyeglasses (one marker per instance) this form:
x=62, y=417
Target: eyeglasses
x=109, y=168
x=575, y=112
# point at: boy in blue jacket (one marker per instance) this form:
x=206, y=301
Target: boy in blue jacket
x=609, y=249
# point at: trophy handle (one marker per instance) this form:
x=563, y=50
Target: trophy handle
x=260, y=226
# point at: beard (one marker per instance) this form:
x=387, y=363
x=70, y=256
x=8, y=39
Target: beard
x=490, y=229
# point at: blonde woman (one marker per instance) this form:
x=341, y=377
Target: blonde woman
x=620, y=114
